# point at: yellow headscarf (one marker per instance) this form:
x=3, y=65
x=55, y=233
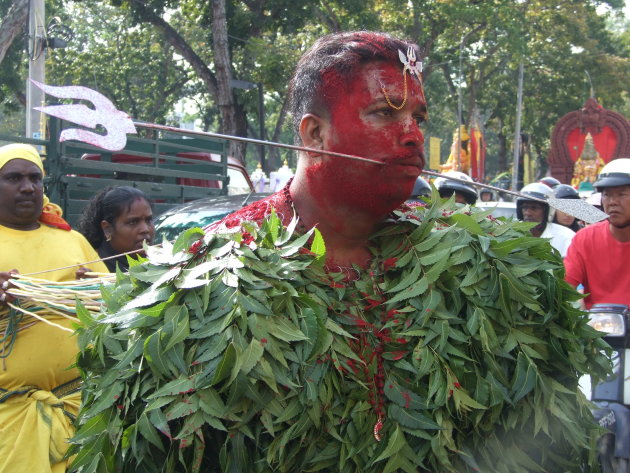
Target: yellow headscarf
x=51, y=213
x=20, y=151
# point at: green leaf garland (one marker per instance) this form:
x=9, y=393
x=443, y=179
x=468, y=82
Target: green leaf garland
x=237, y=352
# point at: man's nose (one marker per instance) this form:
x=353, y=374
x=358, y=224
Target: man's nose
x=26, y=185
x=412, y=135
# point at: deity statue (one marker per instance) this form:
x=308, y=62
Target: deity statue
x=588, y=165
x=459, y=146
x=259, y=179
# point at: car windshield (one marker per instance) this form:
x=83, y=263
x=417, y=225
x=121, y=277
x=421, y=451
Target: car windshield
x=169, y=227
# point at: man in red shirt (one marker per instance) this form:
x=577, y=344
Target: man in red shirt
x=599, y=254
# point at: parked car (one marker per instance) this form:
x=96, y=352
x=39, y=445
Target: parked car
x=499, y=209
x=199, y=213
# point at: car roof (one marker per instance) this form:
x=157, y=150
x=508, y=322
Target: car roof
x=200, y=213
x=499, y=208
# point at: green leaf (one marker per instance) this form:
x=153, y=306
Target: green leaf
x=416, y=289
x=252, y=305
x=395, y=443
x=283, y=329
x=466, y=222
x=154, y=353
x=187, y=238
x=176, y=387
x=524, y=378
x=318, y=246
x=252, y=354
x=225, y=366
x=411, y=418
x=149, y=432
x=176, y=323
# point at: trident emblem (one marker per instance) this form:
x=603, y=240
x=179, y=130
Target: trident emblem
x=116, y=123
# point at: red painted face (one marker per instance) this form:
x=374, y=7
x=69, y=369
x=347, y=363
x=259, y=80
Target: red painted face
x=364, y=124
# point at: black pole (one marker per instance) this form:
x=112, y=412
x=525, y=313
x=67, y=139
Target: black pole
x=261, y=118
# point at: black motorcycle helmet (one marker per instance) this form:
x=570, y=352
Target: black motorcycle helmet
x=539, y=191
x=564, y=191
x=420, y=189
x=483, y=191
x=549, y=181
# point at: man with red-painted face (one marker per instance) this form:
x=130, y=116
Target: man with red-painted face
x=352, y=93
x=415, y=347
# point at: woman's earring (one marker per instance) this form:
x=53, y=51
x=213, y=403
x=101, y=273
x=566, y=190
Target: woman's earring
x=108, y=237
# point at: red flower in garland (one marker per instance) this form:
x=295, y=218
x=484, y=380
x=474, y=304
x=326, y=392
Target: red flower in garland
x=195, y=247
x=389, y=263
x=247, y=238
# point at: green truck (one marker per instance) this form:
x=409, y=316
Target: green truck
x=170, y=167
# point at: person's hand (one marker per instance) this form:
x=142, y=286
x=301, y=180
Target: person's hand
x=5, y=284
x=81, y=273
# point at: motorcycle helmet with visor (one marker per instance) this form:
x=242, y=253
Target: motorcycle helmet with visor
x=538, y=191
x=615, y=173
x=447, y=187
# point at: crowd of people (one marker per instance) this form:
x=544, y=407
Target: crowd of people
x=355, y=93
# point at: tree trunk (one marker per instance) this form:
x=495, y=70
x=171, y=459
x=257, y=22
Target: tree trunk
x=223, y=68
x=12, y=25
x=218, y=85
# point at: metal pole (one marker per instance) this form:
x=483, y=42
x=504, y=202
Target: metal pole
x=261, y=119
x=459, y=105
x=35, y=96
x=517, y=129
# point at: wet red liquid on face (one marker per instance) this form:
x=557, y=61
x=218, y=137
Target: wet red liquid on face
x=363, y=124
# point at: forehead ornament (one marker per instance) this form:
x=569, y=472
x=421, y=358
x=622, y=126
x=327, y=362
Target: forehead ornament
x=414, y=67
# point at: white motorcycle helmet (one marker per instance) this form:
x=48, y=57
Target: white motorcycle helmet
x=615, y=173
x=539, y=191
x=447, y=187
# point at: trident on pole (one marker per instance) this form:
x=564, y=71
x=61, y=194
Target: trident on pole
x=118, y=124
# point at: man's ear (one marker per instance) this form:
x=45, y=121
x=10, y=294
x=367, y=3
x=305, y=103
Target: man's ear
x=313, y=129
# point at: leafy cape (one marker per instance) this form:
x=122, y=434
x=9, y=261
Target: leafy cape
x=239, y=353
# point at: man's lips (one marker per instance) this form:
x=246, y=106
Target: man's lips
x=415, y=160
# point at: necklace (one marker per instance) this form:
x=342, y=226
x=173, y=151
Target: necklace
x=351, y=273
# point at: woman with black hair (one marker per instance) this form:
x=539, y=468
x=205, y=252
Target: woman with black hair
x=118, y=220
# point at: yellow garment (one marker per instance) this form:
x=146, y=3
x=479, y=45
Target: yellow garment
x=20, y=151
x=452, y=165
x=46, y=248
x=459, y=158
x=33, y=425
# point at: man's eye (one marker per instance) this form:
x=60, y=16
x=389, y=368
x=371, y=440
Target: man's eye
x=420, y=119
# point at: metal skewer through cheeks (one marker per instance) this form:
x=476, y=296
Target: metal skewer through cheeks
x=118, y=123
